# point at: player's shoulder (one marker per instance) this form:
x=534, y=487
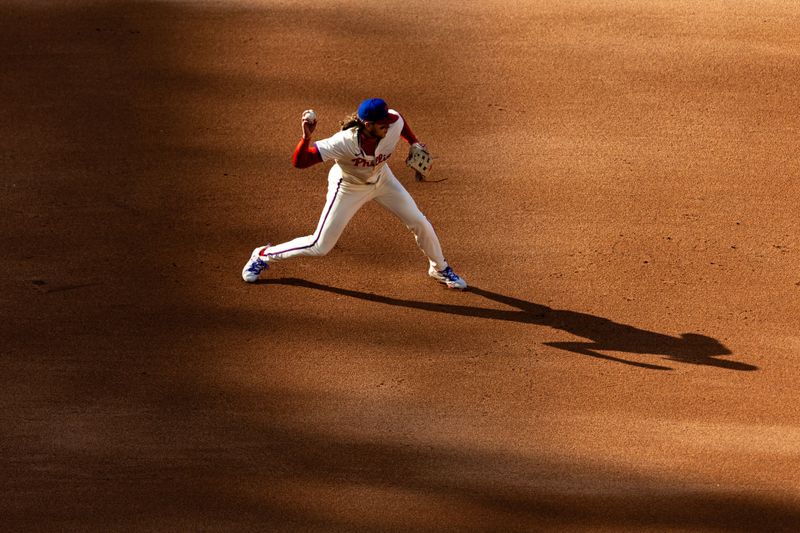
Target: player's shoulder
x=397, y=126
x=339, y=144
x=348, y=136
x=397, y=114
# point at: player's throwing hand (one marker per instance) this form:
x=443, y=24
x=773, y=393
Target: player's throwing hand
x=309, y=122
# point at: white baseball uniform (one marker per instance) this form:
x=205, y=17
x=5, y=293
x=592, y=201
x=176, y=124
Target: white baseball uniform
x=355, y=179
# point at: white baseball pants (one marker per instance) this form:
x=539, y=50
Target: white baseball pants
x=344, y=200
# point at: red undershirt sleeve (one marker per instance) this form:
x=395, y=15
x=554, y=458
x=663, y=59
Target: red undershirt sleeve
x=407, y=134
x=305, y=155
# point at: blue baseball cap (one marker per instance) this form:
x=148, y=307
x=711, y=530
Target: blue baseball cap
x=375, y=110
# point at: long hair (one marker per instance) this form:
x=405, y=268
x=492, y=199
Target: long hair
x=352, y=121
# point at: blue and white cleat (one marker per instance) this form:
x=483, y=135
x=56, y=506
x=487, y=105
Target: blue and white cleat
x=252, y=270
x=448, y=277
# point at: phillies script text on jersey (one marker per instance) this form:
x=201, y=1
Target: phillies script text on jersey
x=361, y=162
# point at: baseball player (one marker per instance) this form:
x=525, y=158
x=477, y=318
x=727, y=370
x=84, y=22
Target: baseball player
x=360, y=173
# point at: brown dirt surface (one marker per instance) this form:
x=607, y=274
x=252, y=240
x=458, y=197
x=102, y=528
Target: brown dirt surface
x=621, y=194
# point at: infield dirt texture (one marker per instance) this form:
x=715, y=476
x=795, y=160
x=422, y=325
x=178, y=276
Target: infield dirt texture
x=622, y=195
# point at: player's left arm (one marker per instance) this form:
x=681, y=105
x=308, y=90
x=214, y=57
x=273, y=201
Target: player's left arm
x=419, y=158
x=407, y=134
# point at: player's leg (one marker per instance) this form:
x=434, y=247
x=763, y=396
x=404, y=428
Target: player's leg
x=393, y=196
x=342, y=202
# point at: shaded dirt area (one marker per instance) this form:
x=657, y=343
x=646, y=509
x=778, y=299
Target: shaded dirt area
x=621, y=194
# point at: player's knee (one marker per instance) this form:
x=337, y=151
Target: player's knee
x=419, y=224
x=321, y=249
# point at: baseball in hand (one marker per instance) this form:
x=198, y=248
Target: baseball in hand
x=310, y=115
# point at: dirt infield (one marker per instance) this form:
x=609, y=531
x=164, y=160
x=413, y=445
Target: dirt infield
x=621, y=194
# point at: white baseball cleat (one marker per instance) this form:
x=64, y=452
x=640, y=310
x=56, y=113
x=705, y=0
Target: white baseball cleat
x=448, y=277
x=255, y=265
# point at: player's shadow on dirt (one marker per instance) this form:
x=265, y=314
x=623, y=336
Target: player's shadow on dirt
x=604, y=334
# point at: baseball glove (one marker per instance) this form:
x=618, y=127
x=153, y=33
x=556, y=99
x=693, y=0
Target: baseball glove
x=420, y=160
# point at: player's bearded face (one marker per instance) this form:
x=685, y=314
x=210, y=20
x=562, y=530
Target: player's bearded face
x=376, y=129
